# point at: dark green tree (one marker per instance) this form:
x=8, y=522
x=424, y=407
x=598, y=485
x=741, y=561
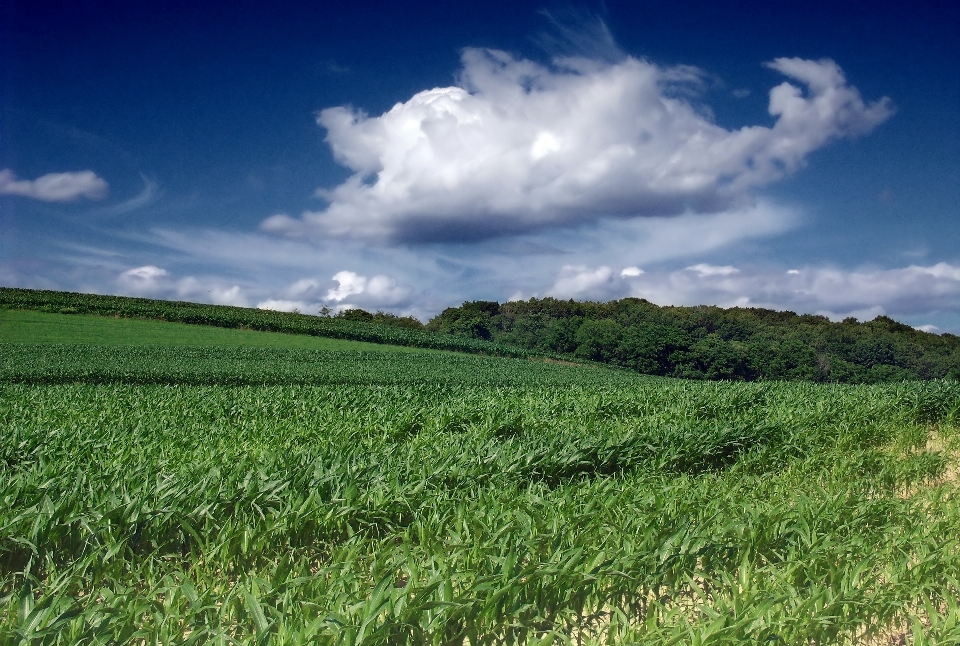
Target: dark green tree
x=599, y=340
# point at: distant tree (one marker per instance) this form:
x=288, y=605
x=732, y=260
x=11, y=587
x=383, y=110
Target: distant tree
x=845, y=372
x=869, y=351
x=883, y=373
x=355, y=314
x=599, y=340
x=714, y=358
x=887, y=324
x=790, y=358
x=381, y=317
x=472, y=319
x=650, y=348
x=386, y=318
x=562, y=335
x=706, y=342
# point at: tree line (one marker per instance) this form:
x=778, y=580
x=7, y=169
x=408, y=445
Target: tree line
x=701, y=342
x=706, y=342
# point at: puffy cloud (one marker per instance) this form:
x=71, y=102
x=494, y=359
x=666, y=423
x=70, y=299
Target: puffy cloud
x=55, y=187
x=350, y=290
x=835, y=293
x=377, y=291
x=303, y=287
x=385, y=289
x=156, y=282
x=576, y=280
x=348, y=284
x=519, y=146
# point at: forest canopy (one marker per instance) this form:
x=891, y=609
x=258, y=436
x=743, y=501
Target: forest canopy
x=705, y=342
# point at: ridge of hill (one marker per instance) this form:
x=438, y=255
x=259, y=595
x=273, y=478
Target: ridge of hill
x=706, y=342
x=226, y=316
x=29, y=327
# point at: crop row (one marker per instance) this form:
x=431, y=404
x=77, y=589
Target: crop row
x=52, y=363
x=425, y=511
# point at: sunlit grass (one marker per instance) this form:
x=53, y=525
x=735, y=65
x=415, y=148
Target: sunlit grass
x=575, y=508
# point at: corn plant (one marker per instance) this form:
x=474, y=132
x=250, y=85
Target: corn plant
x=155, y=495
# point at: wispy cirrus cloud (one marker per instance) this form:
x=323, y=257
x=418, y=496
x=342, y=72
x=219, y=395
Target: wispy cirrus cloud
x=519, y=147
x=55, y=187
x=147, y=196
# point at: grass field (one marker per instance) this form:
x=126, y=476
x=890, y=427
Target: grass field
x=244, y=318
x=23, y=326
x=296, y=496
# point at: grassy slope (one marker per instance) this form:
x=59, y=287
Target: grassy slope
x=247, y=319
x=24, y=326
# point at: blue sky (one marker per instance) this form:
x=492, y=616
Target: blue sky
x=410, y=156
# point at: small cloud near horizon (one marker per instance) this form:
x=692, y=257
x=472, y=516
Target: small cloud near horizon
x=155, y=282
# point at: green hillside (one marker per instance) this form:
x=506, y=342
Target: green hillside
x=23, y=326
x=222, y=316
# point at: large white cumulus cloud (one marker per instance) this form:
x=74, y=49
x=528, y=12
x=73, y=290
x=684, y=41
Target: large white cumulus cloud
x=519, y=146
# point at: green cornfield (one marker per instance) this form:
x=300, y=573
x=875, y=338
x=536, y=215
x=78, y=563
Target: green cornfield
x=250, y=496
x=245, y=318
